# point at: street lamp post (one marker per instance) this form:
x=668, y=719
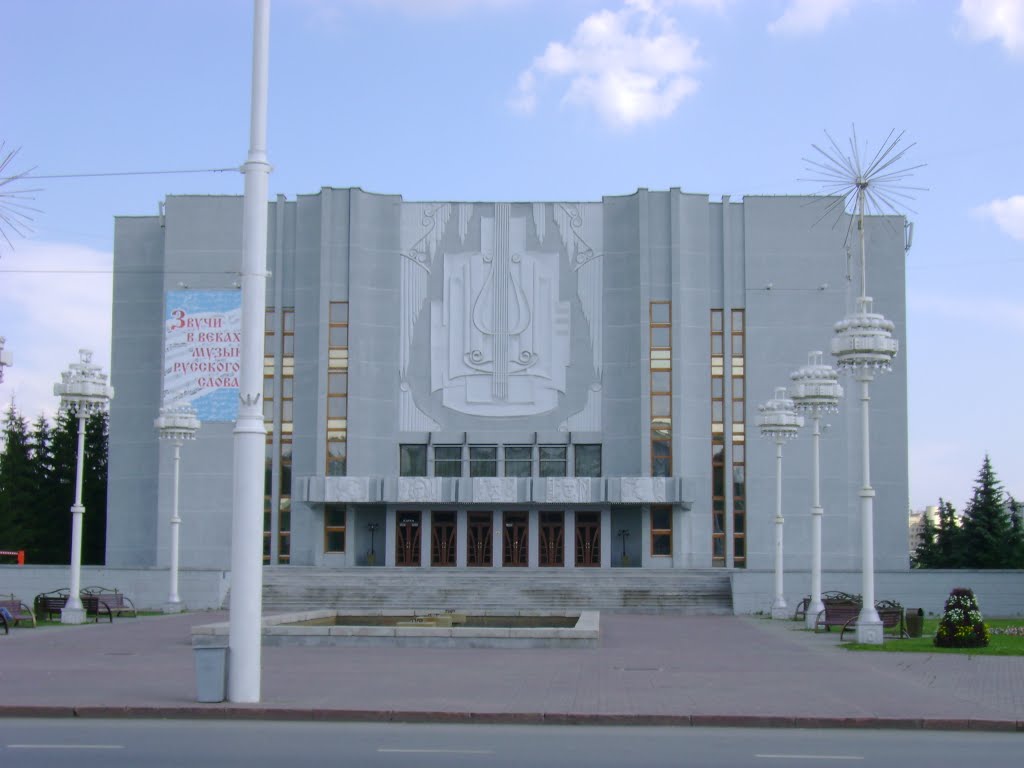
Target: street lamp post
x=863, y=343
x=815, y=391
x=244, y=630
x=83, y=390
x=176, y=424
x=780, y=422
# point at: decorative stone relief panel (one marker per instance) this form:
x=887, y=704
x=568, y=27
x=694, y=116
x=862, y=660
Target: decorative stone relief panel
x=420, y=489
x=499, y=335
x=644, y=489
x=495, y=490
x=347, y=489
x=500, y=315
x=567, y=490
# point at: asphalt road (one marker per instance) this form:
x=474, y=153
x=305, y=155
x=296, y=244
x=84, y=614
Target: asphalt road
x=85, y=743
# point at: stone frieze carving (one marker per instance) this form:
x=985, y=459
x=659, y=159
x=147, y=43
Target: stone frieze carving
x=419, y=489
x=488, y=490
x=644, y=489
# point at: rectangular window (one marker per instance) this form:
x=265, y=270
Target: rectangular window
x=412, y=460
x=447, y=461
x=718, y=501
x=337, y=388
x=334, y=529
x=587, y=460
x=483, y=461
x=660, y=338
x=661, y=531
x=518, y=461
x=552, y=460
x=739, y=472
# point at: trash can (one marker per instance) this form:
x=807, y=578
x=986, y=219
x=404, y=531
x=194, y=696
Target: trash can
x=211, y=673
x=914, y=618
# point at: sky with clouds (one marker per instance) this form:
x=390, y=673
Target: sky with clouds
x=535, y=100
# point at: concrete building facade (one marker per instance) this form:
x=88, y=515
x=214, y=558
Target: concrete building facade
x=502, y=385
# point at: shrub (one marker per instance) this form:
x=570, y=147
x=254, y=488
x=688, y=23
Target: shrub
x=961, y=625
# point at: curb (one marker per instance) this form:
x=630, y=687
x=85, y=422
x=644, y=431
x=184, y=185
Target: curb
x=259, y=712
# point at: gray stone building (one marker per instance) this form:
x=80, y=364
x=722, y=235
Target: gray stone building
x=535, y=385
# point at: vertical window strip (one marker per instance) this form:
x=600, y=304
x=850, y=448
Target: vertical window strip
x=660, y=328
x=287, y=398
x=337, y=388
x=718, y=503
x=739, y=473
x=661, y=531
x=269, y=402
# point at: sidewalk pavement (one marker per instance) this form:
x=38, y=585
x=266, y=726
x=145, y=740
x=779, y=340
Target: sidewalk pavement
x=649, y=669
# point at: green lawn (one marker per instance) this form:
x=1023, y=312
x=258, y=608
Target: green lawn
x=998, y=645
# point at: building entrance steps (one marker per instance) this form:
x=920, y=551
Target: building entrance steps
x=697, y=592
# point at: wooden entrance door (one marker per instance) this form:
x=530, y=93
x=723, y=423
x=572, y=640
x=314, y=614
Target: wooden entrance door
x=479, y=533
x=516, y=543
x=407, y=538
x=442, y=539
x=552, y=539
x=588, y=539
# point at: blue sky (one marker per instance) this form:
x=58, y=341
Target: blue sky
x=538, y=100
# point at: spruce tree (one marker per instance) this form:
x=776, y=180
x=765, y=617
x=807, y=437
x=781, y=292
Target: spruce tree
x=94, y=491
x=1016, y=533
x=987, y=531
x=947, y=540
x=16, y=487
x=927, y=552
x=47, y=517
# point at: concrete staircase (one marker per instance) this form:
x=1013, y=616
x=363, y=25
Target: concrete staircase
x=288, y=588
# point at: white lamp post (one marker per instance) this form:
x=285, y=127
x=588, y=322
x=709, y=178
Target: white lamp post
x=244, y=630
x=863, y=342
x=815, y=391
x=83, y=390
x=779, y=421
x=176, y=424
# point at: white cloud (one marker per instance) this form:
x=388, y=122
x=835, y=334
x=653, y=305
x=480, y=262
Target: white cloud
x=808, y=17
x=1008, y=214
x=1001, y=20
x=55, y=298
x=630, y=65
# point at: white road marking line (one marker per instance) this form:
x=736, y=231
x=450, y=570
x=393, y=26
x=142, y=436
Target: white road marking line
x=437, y=751
x=810, y=757
x=65, y=746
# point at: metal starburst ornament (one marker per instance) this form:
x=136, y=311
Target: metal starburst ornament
x=15, y=215
x=858, y=186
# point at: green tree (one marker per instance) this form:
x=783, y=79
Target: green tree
x=1016, y=532
x=987, y=531
x=48, y=519
x=947, y=538
x=926, y=555
x=17, y=492
x=94, y=490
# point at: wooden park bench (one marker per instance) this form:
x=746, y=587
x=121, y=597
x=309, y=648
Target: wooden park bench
x=49, y=604
x=97, y=602
x=16, y=610
x=802, y=606
x=844, y=614
x=112, y=601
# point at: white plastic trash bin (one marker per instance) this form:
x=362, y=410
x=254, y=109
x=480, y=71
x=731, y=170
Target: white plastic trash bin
x=211, y=673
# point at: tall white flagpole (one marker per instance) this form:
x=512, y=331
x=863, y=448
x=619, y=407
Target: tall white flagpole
x=250, y=436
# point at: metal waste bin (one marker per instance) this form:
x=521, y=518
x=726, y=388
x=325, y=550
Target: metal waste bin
x=914, y=619
x=211, y=672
